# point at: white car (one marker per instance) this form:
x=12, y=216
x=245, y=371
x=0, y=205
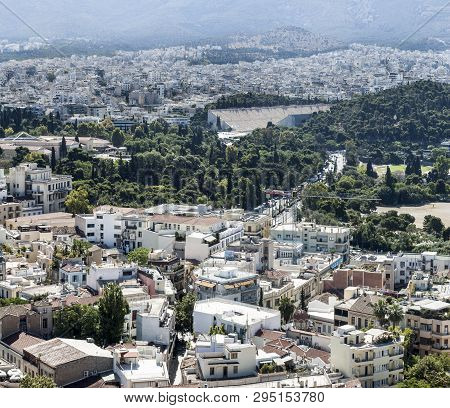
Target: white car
x=16, y=378
x=14, y=371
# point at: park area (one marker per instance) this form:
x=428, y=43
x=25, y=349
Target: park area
x=396, y=169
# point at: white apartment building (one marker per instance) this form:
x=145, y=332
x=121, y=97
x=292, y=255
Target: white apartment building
x=100, y=275
x=157, y=323
x=201, y=236
x=233, y=360
x=315, y=238
x=114, y=227
x=48, y=190
x=374, y=357
x=240, y=318
x=400, y=268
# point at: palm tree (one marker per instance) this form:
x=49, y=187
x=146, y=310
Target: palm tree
x=380, y=311
x=395, y=313
x=286, y=309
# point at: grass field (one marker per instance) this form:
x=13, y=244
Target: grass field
x=395, y=169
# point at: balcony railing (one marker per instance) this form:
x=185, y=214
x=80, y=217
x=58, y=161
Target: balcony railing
x=445, y=333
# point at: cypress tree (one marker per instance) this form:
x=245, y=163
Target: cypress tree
x=53, y=159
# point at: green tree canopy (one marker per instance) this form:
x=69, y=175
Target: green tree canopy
x=139, y=256
x=184, y=310
x=112, y=309
x=77, y=202
x=38, y=381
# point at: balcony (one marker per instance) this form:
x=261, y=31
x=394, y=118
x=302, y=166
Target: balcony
x=396, y=354
x=395, y=367
x=445, y=333
x=363, y=360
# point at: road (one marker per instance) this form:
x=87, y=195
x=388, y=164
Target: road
x=335, y=163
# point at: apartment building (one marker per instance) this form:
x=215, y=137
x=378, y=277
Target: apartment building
x=199, y=236
x=398, y=269
x=260, y=252
x=257, y=225
x=48, y=190
x=113, y=227
x=170, y=266
x=315, y=238
x=278, y=284
x=240, y=318
x=321, y=314
x=227, y=283
x=374, y=357
x=156, y=324
x=100, y=275
x=430, y=320
x=231, y=361
x=343, y=278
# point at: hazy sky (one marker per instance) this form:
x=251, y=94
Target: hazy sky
x=352, y=20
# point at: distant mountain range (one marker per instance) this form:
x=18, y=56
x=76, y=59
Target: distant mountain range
x=152, y=21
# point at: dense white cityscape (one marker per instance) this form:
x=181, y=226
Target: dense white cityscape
x=166, y=83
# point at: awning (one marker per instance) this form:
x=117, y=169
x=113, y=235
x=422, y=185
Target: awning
x=246, y=283
x=206, y=284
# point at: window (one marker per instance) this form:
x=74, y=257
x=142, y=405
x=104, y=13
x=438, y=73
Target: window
x=44, y=323
x=211, y=371
x=91, y=225
x=86, y=374
x=233, y=356
x=235, y=369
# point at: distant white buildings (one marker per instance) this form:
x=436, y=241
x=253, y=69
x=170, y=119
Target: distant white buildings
x=240, y=318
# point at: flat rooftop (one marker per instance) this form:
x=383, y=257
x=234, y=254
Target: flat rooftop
x=236, y=312
x=144, y=369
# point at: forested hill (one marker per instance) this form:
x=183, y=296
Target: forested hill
x=418, y=113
